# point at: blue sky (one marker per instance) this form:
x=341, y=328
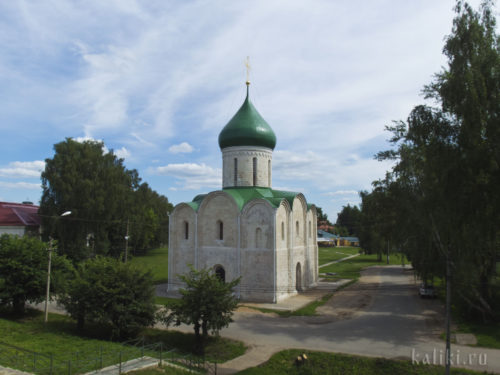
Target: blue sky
x=158, y=80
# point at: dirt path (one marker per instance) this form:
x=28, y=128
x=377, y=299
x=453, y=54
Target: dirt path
x=352, y=300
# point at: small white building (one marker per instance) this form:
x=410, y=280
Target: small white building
x=19, y=219
x=249, y=230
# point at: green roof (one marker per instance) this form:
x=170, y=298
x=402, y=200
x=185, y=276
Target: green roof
x=247, y=128
x=243, y=195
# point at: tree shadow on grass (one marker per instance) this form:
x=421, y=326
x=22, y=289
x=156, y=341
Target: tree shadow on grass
x=218, y=349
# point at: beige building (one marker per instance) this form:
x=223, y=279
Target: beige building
x=249, y=230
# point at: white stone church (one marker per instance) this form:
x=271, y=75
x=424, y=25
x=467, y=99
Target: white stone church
x=267, y=237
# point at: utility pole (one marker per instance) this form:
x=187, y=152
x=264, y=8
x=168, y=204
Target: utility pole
x=387, y=251
x=448, y=311
x=47, y=294
x=126, y=243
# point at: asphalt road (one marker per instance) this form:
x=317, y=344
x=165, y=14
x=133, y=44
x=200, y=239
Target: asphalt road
x=392, y=322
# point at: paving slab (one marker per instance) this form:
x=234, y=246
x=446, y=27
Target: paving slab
x=465, y=338
x=11, y=371
x=301, y=299
x=132, y=365
x=254, y=356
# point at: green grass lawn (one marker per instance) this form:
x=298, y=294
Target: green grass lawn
x=164, y=300
x=330, y=254
x=156, y=261
x=351, y=268
x=487, y=335
x=59, y=337
x=283, y=363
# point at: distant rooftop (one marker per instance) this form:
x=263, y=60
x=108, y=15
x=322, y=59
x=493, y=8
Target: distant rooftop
x=19, y=214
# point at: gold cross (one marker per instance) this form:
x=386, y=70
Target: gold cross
x=247, y=64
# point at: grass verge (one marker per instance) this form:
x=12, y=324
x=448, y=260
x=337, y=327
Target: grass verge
x=165, y=300
x=330, y=254
x=487, y=334
x=351, y=268
x=283, y=363
x=156, y=261
x=60, y=338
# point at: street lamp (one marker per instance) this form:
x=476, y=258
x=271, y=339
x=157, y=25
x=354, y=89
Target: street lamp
x=47, y=295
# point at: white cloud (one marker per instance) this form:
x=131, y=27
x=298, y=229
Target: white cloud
x=86, y=139
x=90, y=139
x=20, y=185
x=183, y=147
x=325, y=172
x=122, y=153
x=341, y=192
x=192, y=175
x=23, y=169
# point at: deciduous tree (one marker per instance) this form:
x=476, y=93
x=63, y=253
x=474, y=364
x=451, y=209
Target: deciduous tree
x=207, y=303
x=103, y=196
x=23, y=271
x=107, y=291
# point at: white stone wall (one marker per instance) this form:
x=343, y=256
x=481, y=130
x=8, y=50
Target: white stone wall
x=284, y=281
x=245, y=155
x=298, y=231
x=312, y=247
x=257, y=252
x=253, y=245
x=181, y=250
x=213, y=251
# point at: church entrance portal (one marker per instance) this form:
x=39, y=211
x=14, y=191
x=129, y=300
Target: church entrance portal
x=221, y=273
x=298, y=278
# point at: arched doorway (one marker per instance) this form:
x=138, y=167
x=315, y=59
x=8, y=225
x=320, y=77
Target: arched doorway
x=221, y=273
x=298, y=278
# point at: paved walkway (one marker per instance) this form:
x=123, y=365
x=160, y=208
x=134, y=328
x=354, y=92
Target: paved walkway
x=132, y=365
x=11, y=371
x=255, y=355
x=301, y=299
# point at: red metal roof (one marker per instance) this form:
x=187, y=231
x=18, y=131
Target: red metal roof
x=18, y=214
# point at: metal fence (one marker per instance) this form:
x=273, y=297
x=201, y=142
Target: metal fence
x=84, y=362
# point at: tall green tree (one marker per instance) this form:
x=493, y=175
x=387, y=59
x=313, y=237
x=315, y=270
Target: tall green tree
x=103, y=196
x=447, y=166
x=468, y=89
x=23, y=271
x=322, y=216
x=207, y=303
x=350, y=218
x=448, y=162
x=149, y=219
x=95, y=186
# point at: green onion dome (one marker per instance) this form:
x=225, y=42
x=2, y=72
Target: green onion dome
x=247, y=128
